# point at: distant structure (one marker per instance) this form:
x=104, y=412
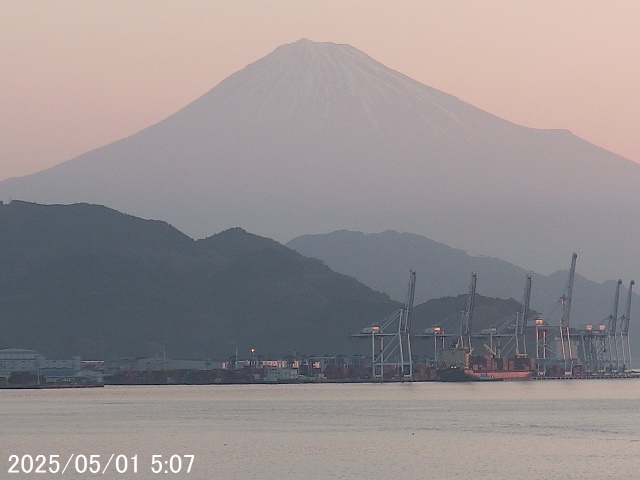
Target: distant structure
x=559, y=351
x=26, y=368
x=391, y=340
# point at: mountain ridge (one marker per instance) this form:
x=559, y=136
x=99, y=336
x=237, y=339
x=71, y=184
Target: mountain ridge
x=382, y=260
x=115, y=285
x=317, y=136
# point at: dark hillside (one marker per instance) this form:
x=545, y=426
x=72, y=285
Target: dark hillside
x=87, y=280
x=446, y=312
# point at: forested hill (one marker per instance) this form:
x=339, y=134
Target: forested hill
x=87, y=280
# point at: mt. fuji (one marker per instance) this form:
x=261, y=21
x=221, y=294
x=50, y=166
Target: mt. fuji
x=317, y=137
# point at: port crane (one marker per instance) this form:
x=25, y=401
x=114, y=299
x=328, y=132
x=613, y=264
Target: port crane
x=516, y=342
x=391, y=338
x=547, y=352
x=600, y=344
x=521, y=323
x=493, y=352
x=513, y=329
x=612, y=333
x=565, y=333
x=492, y=337
x=624, y=329
x=466, y=323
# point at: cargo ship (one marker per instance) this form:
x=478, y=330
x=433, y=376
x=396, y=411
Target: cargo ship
x=460, y=366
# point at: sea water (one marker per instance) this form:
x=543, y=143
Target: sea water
x=563, y=429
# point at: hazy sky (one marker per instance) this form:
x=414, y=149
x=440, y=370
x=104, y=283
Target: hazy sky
x=76, y=75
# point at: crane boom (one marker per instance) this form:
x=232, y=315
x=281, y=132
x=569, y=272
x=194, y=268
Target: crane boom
x=624, y=321
x=490, y=350
x=613, y=318
x=565, y=331
x=405, y=322
x=521, y=319
x=624, y=327
x=569, y=293
x=613, y=326
x=468, y=313
x=525, y=305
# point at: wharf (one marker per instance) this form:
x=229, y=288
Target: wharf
x=589, y=377
x=49, y=386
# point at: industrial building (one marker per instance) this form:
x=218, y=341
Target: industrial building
x=20, y=368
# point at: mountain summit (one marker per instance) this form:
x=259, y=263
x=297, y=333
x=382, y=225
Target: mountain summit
x=316, y=137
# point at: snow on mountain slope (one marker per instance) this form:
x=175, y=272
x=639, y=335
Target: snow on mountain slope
x=316, y=137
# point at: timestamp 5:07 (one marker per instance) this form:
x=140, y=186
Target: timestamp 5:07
x=171, y=464
x=98, y=464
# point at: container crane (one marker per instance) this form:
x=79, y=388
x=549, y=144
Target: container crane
x=404, y=327
x=566, y=312
x=391, y=340
x=624, y=329
x=467, y=316
x=612, y=328
x=521, y=327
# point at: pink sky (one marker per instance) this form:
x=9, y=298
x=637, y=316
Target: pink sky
x=76, y=75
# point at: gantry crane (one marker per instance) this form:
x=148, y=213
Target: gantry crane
x=513, y=329
x=466, y=323
x=391, y=338
x=404, y=328
x=612, y=333
x=624, y=330
x=600, y=343
x=565, y=333
x=521, y=324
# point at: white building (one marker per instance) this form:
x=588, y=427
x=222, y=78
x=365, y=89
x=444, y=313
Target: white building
x=279, y=374
x=18, y=362
x=156, y=364
x=21, y=360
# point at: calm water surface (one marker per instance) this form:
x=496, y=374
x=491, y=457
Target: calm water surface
x=526, y=430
